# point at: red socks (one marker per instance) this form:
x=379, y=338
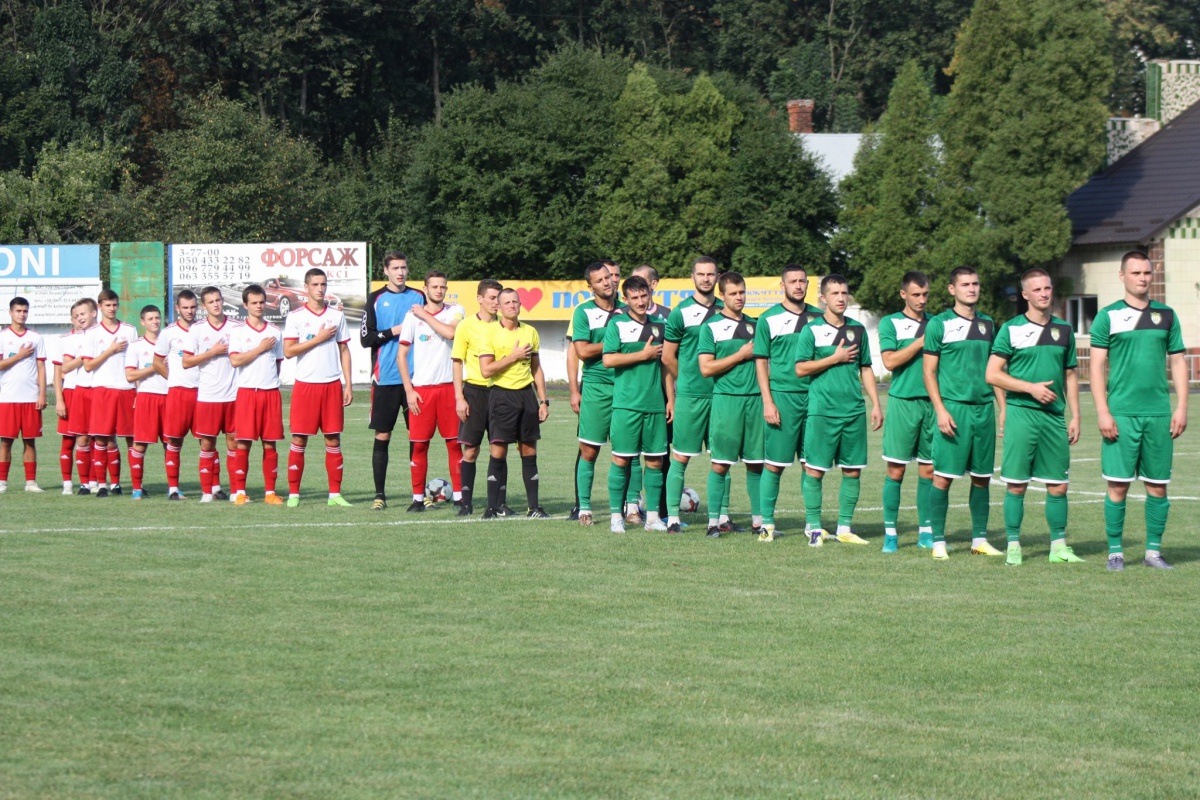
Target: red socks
x=65, y=456
x=137, y=462
x=454, y=448
x=333, y=468
x=208, y=465
x=171, y=462
x=420, y=466
x=295, y=468
x=270, y=469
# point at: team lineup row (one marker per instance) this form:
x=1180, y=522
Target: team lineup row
x=770, y=391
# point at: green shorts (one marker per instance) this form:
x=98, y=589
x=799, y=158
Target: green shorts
x=908, y=431
x=689, y=427
x=638, y=433
x=1035, y=447
x=1142, y=450
x=784, y=443
x=735, y=430
x=595, y=413
x=973, y=446
x=835, y=442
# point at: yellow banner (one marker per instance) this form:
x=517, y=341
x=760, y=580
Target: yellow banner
x=550, y=300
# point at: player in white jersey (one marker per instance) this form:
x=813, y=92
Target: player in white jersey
x=150, y=375
x=428, y=333
x=22, y=392
x=255, y=350
x=78, y=406
x=182, y=386
x=208, y=349
x=111, y=415
x=316, y=336
x=64, y=395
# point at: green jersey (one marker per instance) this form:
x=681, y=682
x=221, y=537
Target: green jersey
x=836, y=392
x=637, y=387
x=683, y=329
x=1138, y=341
x=896, y=332
x=722, y=336
x=775, y=339
x=1037, y=353
x=962, y=346
x=588, y=324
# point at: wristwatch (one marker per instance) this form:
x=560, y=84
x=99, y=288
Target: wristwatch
x=545, y=402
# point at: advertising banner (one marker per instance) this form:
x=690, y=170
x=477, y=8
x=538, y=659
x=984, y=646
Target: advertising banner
x=279, y=268
x=51, y=277
x=556, y=300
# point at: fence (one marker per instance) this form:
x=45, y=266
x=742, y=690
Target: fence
x=1192, y=359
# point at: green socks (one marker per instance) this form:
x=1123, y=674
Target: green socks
x=1056, y=516
x=675, y=475
x=753, y=484
x=618, y=479
x=585, y=475
x=716, y=495
x=848, y=500
x=768, y=491
x=1014, y=514
x=924, y=485
x=811, y=488
x=634, y=492
x=939, y=504
x=654, y=483
x=725, y=499
x=1114, y=523
x=979, y=510
x=1156, y=520
x=891, y=504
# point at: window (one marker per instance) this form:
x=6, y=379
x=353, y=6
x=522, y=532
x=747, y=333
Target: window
x=1081, y=310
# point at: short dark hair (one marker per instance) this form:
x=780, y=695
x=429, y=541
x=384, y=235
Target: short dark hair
x=488, y=283
x=1035, y=272
x=149, y=309
x=834, y=278
x=1135, y=255
x=958, y=272
x=730, y=279
x=509, y=290
x=914, y=276
x=185, y=294
x=394, y=255
x=253, y=289
x=635, y=283
x=435, y=273
x=591, y=269
x=787, y=268
x=17, y=301
x=704, y=260
x=84, y=301
x=313, y=273
x=651, y=272
x=207, y=290
x=107, y=294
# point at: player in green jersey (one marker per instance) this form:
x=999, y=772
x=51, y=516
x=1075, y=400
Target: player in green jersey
x=784, y=395
x=633, y=345
x=1038, y=350
x=588, y=326
x=908, y=434
x=957, y=345
x=689, y=409
x=1132, y=337
x=726, y=355
x=833, y=351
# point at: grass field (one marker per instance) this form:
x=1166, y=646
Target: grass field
x=173, y=650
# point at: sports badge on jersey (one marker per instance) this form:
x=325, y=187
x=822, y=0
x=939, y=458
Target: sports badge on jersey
x=1155, y=317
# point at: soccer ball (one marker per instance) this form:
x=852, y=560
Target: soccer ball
x=438, y=490
x=689, y=501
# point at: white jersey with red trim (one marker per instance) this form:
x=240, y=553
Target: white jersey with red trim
x=217, y=381
x=83, y=378
x=139, y=356
x=18, y=383
x=323, y=363
x=172, y=341
x=263, y=371
x=64, y=347
x=110, y=374
x=430, y=351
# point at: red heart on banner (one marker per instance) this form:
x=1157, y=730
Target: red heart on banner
x=529, y=298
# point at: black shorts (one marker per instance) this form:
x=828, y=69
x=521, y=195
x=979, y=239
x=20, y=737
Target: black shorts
x=386, y=404
x=513, y=415
x=472, y=431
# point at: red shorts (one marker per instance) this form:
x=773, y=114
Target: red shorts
x=213, y=419
x=317, y=406
x=79, y=411
x=148, y=417
x=438, y=412
x=259, y=415
x=112, y=412
x=180, y=412
x=20, y=421
x=64, y=422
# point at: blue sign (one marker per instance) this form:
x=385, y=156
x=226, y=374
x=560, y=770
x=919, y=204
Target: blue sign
x=50, y=264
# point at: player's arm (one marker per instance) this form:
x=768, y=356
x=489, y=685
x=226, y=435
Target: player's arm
x=71, y=363
x=491, y=367
x=369, y=335
x=539, y=385
x=762, y=372
x=295, y=347
x=134, y=374
x=586, y=350
x=844, y=354
x=1099, y=385
x=41, y=384
x=929, y=371
x=711, y=366
x=410, y=391
x=24, y=352
x=1179, y=379
x=573, y=378
x=219, y=348
x=460, y=401
x=648, y=353
x=1071, y=382
x=670, y=357
x=442, y=329
x=895, y=359
x=997, y=375
x=118, y=345
x=867, y=375
x=347, y=385
x=668, y=390
x=60, y=399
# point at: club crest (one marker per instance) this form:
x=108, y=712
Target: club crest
x=1054, y=334
x=982, y=328
x=1155, y=317
x=655, y=331
x=849, y=336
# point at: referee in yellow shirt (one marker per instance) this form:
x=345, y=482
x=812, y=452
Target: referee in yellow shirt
x=517, y=403
x=472, y=339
